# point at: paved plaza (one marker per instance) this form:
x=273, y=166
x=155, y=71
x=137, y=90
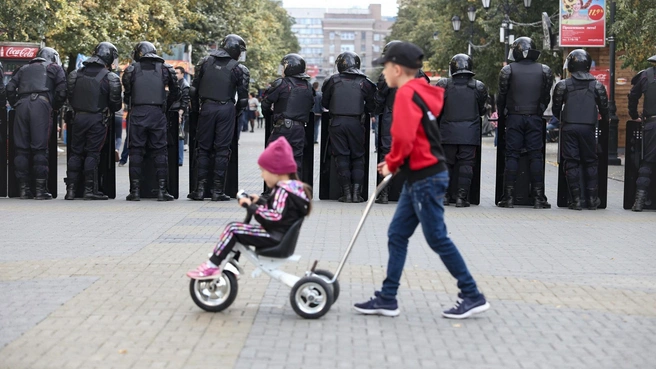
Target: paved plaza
x=102, y=285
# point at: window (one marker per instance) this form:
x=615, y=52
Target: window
x=347, y=36
x=331, y=48
x=363, y=35
x=376, y=37
x=331, y=59
x=376, y=48
x=348, y=48
x=363, y=48
x=331, y=35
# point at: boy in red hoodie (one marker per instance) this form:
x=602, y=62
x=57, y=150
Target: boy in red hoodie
x=417, y=151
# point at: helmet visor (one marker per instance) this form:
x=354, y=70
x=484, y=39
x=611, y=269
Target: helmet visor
x=242, y=56
x=510, y=55
x=281, y=70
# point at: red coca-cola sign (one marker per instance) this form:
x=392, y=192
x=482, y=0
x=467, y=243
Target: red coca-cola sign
x=18, y=52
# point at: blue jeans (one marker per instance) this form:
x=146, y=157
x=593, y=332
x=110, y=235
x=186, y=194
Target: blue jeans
x=422, y=202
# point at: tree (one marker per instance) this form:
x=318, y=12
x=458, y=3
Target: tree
x=635, y=32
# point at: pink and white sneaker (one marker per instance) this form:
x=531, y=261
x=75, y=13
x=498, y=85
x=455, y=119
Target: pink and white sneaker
x=204, y=272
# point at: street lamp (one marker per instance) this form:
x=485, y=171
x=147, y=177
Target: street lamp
x=455, y=21
x=506, y=7
x=471, y=13
x=436, y=35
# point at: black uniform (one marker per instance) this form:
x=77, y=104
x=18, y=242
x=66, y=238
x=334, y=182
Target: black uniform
x=460, y=128
x=293, y=99
x=347, y=96
x=182, y=104
x=524, y=94
x=584, y=98
x=219, y=78
x=144, y=84
x=3, y=93
x=34, y=91
x=95, y=94
x=644, y=83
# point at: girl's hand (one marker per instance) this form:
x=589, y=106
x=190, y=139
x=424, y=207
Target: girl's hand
x=255, y=198
x=244, y=200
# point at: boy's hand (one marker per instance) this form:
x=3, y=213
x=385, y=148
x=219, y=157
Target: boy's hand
x=244, y=200
x=383, y=170
x=255, y=198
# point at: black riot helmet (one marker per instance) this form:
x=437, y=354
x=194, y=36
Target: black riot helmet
x=144, y=49
x=293, y=64
x=578, y=61
x=107, y=52
x=347, y=60
x=234, y=45
x=49, y=54
x=652, y=59
x=461, y=64
x=523, y=48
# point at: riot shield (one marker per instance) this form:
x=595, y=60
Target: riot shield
x=231, y=186
x=329, y=188
x=307, y=171
x=632, y=161
x=396, y=185
x=12, y=183
x=523, y=193
x=149, y=182
x=564, y=198
x=106, y=166
x=4, y=129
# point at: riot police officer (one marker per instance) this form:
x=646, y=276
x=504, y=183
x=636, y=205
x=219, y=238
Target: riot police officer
x=35, y=90
x=384, y=98
x=94, y=92
x=292, y=97
x=219, y=77
x=144, y=84
x=460, y=124
x=348, y=95
x=645, y=83
x=584, y=98
x=524, y=94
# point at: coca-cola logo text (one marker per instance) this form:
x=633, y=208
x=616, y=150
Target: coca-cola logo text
x=12, y=52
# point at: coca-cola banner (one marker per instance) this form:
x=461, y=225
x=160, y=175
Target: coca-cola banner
x=18, y=52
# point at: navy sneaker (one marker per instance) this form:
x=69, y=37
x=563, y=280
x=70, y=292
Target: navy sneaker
x=466, y=307
x=378, y=306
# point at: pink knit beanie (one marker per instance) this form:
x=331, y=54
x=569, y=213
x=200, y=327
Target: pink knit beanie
x=278, y=158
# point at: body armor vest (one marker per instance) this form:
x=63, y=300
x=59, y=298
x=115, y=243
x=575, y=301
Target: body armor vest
x=581, y=106
x=34, y=79
x=148, y=86
x=216, y=83
x=460, y=123
x=297, y=104
x=649, y=104
x=525, y=88
x=86, y=95
x=389, y=102
x=347, y=97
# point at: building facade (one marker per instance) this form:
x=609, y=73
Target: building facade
x=325, y=33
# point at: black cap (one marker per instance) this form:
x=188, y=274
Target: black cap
x=402, y=53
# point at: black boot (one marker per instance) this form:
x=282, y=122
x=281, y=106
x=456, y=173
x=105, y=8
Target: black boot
x=162, y=193
x=641, y=196
x=461, y=201
x=70, y=189
x=91, y=187
x=25, y=191
x=508, y=198
x=42, y=190
x=447, y=198
x=540, y=200
x=135, y=194
x=218, y=193
x=593, y=198
x=346, y=194
x=575, y=193
x=357, y=190
x=383, y=198
x=199, y=193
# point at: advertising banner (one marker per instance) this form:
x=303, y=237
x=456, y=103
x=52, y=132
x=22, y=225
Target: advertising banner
x=582, y=23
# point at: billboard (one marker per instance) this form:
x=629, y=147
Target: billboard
x=582, y=23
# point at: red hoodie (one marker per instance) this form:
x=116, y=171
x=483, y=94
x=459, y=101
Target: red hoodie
x=409, y=140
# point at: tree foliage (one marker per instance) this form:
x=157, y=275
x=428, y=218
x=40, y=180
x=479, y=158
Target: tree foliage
x=418, y=20
x=76, y=26
x=635, y=32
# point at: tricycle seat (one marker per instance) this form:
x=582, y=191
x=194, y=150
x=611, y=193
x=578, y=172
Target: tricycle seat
x=286, y=246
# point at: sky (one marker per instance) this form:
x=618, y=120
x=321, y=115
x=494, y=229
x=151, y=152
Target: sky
x=389, y=7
